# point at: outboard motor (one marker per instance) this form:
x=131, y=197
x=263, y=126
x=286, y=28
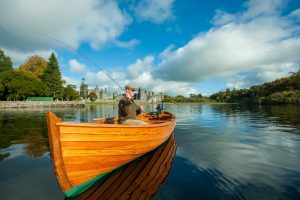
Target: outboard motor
x=160, y=108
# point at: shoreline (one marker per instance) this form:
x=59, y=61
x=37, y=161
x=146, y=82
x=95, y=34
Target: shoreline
x=78, y=104
x=40, y=104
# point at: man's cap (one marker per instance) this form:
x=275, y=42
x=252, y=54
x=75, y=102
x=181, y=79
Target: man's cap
x=130, y=86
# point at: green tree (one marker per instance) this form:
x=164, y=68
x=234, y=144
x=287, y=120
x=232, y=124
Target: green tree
x=52, y=78
x=84, y=89
x=5, y=62
x=15, y=85
x=70, y=93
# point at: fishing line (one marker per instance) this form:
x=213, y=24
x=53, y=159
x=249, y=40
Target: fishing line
x=65, y=45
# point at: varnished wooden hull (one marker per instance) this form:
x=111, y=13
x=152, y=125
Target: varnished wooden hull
x=139, y=179
x=82, y=153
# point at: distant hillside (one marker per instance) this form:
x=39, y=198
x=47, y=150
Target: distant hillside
x=281, y=91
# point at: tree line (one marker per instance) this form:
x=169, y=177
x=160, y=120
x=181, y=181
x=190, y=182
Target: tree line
x=193, y=98
x=281, y=91
x=34, y=78
x=39, y=78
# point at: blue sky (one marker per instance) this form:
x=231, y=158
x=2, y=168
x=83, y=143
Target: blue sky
x=170, y=46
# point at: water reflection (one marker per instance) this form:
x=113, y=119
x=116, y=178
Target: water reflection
x=247, y=153
x=20, y=127
x=138, y=180
x=224, y=152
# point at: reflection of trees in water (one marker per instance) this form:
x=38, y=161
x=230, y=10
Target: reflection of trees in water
x=24, y=127
x=37, y=145
x=3, y=156
x=279, y=114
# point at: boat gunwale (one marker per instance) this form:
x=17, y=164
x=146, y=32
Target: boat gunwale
x=98, y=125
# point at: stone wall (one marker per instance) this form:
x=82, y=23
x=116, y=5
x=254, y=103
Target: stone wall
x=35, y=104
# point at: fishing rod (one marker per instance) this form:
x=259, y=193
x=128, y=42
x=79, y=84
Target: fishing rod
x=65, y=45
x=71, y=49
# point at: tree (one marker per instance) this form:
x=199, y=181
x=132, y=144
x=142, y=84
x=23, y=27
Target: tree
x=52, y=78
x=84, y=89
x=93, y=96
x=70, y=93
x=34, y=66
x=5, y=62
x=15, y=85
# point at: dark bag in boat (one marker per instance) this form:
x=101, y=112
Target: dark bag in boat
x=109, y=120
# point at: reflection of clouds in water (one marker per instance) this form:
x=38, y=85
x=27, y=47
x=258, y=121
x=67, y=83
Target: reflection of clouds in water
x=244, y=149
x=240, y=163
x=14, y=150
x=17, y=150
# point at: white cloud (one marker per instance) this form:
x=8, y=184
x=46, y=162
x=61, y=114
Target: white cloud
x=277, y=71
x=118, y=75
x=257, y=8
x=258, y=76
x=31, y=25
x=128, y=45
x=167, y=51
x=72, y=81
x=295, y=14
x=139, y=67
x=98, y=78
x=138, y=73
x=156, y=11
x=249, y=41
x=76, y=67
x=19, y=57
x=254, y=9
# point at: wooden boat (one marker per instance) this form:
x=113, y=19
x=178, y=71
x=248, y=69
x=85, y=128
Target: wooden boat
x=83, y=153
x=139, y=179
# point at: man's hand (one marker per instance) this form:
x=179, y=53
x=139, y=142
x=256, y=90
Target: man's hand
x=141, y=108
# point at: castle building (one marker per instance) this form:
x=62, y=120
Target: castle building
x=97, y=94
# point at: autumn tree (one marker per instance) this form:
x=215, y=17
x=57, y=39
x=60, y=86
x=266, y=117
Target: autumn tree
x=52, y=78
x=5, y=62
x=34, y=66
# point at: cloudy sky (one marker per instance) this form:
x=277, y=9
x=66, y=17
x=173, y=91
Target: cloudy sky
x=171, y=46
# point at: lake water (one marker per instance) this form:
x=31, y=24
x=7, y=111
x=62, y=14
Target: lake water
x=223, y=152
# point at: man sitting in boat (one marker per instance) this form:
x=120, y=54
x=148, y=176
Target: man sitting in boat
x=128, y=109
